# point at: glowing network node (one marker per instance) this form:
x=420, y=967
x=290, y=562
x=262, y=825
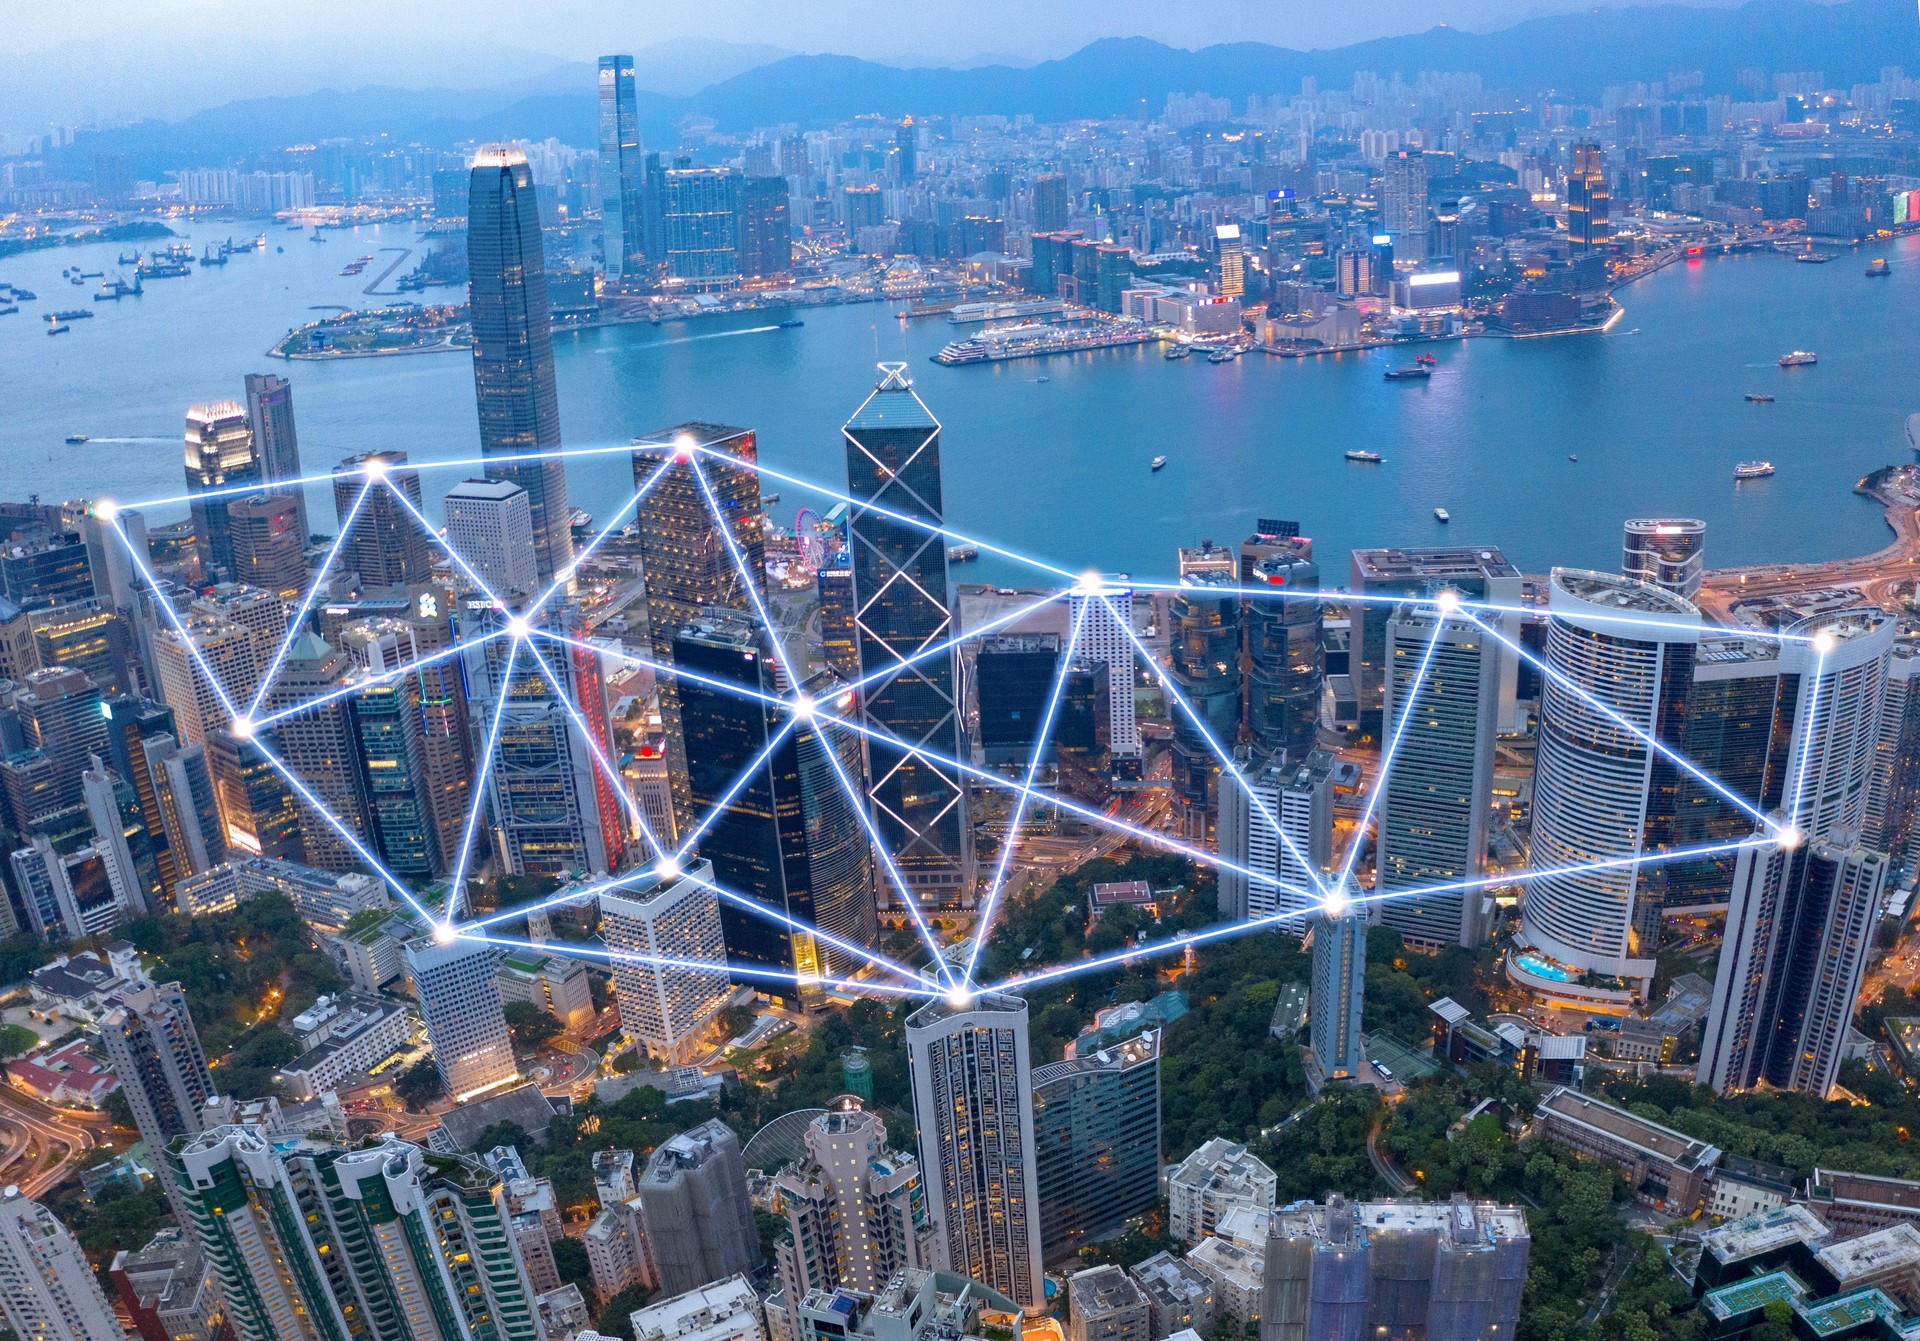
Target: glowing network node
x=1091, y=583
x=960, y=998
x=106, y=510
x=1789, y=837
x=803, y=707
x=445, y=934
x=1824, y=642
x=241, y=728
x=1448, y=601
x=683, y=446
x=667, y=868
x=518, y=626
x=375, y=468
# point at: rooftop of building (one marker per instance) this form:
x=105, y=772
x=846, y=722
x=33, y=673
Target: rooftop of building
x=1612, y=592
x=1865, y=1188
x=894, y=404
x=524, y=1106
x=1464, y=1221
x=1763, y=1232
x=1103, y=1289
x=1756, y=1173
x=1895, y=1247
x=1752, y=1294
x=942, y=1009
x=1650, y=1138
x=486, y=491
x=1438, y=561
x=1164, y=1276
x=1141, y=1050
x=1218, y=1161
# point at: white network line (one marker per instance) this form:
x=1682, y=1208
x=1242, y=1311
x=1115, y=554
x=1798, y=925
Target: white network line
x=521, y=635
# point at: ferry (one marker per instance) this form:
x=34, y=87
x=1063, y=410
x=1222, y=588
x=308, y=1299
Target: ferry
x=1759, y=398
x=1223, y=355
x=1442, y=516
x=1814, y=257
x=791, y=323
x=1573, y=456
x=1370, y=458
x=1753, y=470
x=1798, y=358
x=75, y=439
x=1417, y=372
x=1878, y=268
x=24, y=295
x=974, y=314
x=962, y=553
x=58, y=328
x=1159, y=461
x=162, y=270
x=1177, y=352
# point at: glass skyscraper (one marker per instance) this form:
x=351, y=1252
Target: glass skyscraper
x=622, y=220
x=1283, y=656
x=219, y=456
x=1204, y=628
x=901, y=609
x=1096, y=1125
x=513, y=346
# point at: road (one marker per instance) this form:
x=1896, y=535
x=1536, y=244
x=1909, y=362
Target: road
x=1392, y=1174
x=41, y=1142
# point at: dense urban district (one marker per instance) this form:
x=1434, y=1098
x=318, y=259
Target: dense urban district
x=434, y=913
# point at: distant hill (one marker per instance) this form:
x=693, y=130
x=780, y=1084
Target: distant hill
x=1574, y=54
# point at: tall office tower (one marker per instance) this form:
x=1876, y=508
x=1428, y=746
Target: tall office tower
x=973, y=1105
x=623, y=226
x=220, y=456
x=1013, y=679
x=1603, y=794
x=1096, y=1126
x=389, y=738
x=1432, y=823
x=270, y=418
x=839, y=638
x=1049, y=203
x=229, y=651
x=1587, y=203
x=1403, y=203
x=490, y=525
x=386, y=545
x=542, y=785
x=1842, y=666
x=1438, y=1268
x=1668, y=552
x=1204, y=630
x=134, y=725
x=685, y=561
x=906, y=149
x=154, y=1049
x=700, y=210
x=466, y=1021
x=1232, y=259
x=268, y=543
x=184, y=809
x=1284, y=658
x=658, y=932
x=91, y=638
x=1273, y=538
x=120, y=831
x=1082, y=751
x=58, y=712
x=1282, y=884
x=49, y=1291
x=789, y=836
x=855, y=1210
x=1103, y=639
x=698, y=1213
x=765, y=231
x=1894, y=785
x=318, y=747
x=901, y=610
x=513, y=348
x=1478, y=574
x=71, y=893
x=1799, y=927
x=1333, y=1004
x=256, y=805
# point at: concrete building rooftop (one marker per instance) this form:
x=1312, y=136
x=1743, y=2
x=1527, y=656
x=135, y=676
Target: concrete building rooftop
x=1764, y=1232
x=1665, y=1143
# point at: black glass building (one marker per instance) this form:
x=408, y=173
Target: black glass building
x=513, y=345
x=1096, y=1131
x=1204, y=623
x=1284, y=657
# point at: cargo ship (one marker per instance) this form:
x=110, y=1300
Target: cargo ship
x=1417, y=372
x=1370, y=458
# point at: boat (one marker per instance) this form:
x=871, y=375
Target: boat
x=791, y=323
x=1573, y=456
x=1759, y=398
x=129, y=258
x=1798, y=358
x=9, y=310
x=24, y=295
x=1878, y=268
x=1177, y=352
x=212, y=257
x=163, y=270
x=72, y=314
x=1159, y=461
x=76, y=439
x=58, y=328
x=1427, y=359
x=1442, y=516
x=1814, y=257
x=91, y=274
x=316, y=236
x=1223, y=356
x=1753, y=470
x=962, y=553
x=1415, y=372
x=1370, y=458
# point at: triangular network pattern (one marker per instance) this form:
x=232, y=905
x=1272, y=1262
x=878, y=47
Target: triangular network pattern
x=531, y=641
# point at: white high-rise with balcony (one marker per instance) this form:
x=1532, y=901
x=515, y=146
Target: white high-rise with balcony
x=659, y=933
x=48, y=1292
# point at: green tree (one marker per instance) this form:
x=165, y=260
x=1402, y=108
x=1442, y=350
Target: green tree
x=531, y=1026
x=419, y=1085
x=616, y=1319
x=570, y=1258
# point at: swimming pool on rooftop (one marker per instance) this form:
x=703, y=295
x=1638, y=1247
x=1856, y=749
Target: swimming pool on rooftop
x=1542, y=967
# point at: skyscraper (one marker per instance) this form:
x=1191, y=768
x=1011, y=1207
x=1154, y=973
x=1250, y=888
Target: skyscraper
x=658, y=933
x=513, y=347
x=1204, y=645
x=268, y=543
x=1601, y=793
x=1284, y=880
x=318, y=747
x=154, y=1049
x=48, y=1292
x=1477, y=572
x=1666, y=551
x=220, y=456
x=1049, y=203
x=973, y=1104
x=901, y=610
x=1096, y=1124
x=466, y=1021
x=1103, y=638
x=1333, y=1006
x=1799, y=927
x=1403, y=203
x=120, y=831
x=622, y=222
x=177, y=790
x=701, y=214
x=856, y=1210
x=256, y=805
x=1284, y=658
x=789, y=837
x=1433, y=818
x=698, y=1213
x=1232, y=259
x=490, y=525
x=1587, y=202
x=390, y=741
x=685, y=560
x=385, y=545
x=765, y=232
x=270, y=417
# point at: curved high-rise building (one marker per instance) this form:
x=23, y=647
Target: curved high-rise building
x=1669, y=552
x=1284, y=657
x=1602, y=793
x=513, y=346
x=1836, y=679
